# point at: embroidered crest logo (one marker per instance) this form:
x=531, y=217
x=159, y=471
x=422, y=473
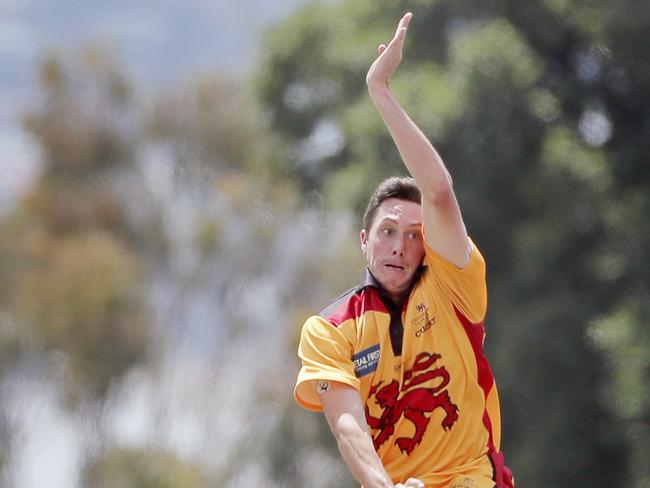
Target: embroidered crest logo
x=412, y=402
x=422, y=322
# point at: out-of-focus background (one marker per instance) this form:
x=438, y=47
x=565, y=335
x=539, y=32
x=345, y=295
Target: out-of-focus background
x=181, y=185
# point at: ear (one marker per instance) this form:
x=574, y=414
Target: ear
x=363, y=236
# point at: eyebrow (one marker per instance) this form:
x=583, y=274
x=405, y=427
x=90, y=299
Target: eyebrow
x=394, y=220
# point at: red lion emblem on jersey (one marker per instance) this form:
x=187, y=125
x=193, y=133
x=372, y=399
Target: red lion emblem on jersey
x=412, y=403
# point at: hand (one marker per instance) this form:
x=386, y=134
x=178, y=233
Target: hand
x=410, y=483
x=389, y=57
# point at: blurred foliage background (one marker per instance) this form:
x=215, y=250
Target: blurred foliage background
x=154, y=277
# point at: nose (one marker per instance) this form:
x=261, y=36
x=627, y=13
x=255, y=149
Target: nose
x=398, y=247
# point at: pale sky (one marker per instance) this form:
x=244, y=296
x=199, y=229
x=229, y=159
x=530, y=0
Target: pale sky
x=159, y=41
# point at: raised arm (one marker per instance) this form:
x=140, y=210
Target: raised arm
x=346, y=417
x=442, y=220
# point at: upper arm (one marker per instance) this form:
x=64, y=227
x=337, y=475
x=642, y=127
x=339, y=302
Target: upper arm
x=326, y=354
x=342, y=407
x=465, y=287
x=444, y=229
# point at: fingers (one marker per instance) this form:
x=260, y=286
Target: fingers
x=414, y=483
x=400, y=33
x=402, y=27
x=403, y=24
x=411, y=483
x=388, y=59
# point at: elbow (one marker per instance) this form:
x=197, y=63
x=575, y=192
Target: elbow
x=441, y=192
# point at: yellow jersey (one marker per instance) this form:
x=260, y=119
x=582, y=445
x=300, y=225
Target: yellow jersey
x=430, y=398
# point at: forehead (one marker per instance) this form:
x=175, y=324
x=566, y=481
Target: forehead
x=404, y=211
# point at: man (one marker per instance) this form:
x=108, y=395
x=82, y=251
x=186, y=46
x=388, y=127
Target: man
x=396, y=364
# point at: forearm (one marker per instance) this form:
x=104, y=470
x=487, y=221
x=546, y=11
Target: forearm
x=441, y=217
x=345, y=415
x=417, y=152
x=358, y=452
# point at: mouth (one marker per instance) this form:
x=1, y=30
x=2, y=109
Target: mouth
x=395, y=266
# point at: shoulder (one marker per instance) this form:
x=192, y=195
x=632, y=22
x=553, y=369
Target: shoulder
x=333, y=309
x=351, y=305
x=436, y=263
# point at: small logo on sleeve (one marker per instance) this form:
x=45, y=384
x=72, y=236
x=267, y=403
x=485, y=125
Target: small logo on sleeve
x=365, y=362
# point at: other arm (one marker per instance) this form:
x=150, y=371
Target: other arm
x=346, y=417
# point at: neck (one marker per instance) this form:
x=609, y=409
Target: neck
x=396, y=299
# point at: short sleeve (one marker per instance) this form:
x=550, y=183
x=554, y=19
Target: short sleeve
x=465, y=286
x=326, y=354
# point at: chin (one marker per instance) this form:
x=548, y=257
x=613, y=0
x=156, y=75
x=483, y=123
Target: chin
x=398, y=288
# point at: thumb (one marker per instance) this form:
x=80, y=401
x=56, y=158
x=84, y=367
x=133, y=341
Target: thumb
x=381, y=48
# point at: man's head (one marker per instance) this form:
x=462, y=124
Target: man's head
x=400, y=187
x=391, y=237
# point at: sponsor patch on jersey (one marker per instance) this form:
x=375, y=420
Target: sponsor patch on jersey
x=365, y=362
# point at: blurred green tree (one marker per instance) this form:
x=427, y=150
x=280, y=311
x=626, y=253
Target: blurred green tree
x=73, y=299
x=76, y=285
x=209, y=124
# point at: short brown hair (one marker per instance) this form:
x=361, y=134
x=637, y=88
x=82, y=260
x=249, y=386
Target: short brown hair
x=400, y=187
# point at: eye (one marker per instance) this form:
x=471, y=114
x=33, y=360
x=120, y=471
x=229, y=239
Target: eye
x=413, y=235
x=387, y=231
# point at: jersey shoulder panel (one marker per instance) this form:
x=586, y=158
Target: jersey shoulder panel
x=352, y=304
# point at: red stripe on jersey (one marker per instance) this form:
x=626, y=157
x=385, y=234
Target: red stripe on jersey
x=353, y=305
x=476, y=333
